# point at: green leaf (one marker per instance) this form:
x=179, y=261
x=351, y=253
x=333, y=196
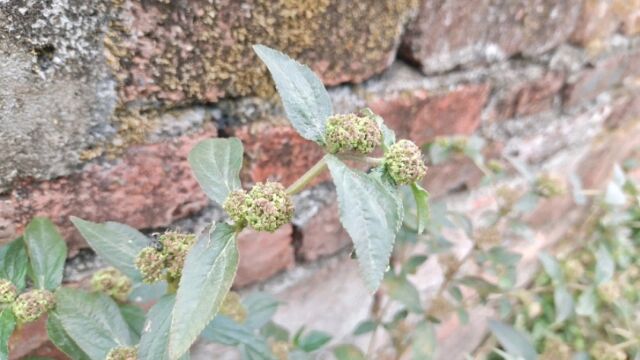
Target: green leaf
x=313, y=341
x=422, y=205
x=7, y=325
x=216, y=164
x=364, y=327
x=551, y=267
x=400, y=289
x=563, y=302
x=154, y=340
x=208, y=273
x=480, y=285
x=47, y=253
x=513, y=341
x=117, y=244
x=348, y=352
x=134, y=316
x=93, y=321
x=275, y=331
x=414, y=262
x=424, y=341
x=303, y=95
x=62, y=340
x=371, y=213
x=225, y=331
x=587, y=303
x=260, y=308
x=605, y=267
x=14, y=262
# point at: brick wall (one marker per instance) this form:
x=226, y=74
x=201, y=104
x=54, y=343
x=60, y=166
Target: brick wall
x=100, y=101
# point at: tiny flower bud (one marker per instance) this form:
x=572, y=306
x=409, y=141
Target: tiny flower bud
x=267, y=207
x=31, y=305
x=175, y=247
x=574, y=269
x=232, y=307
x=534, y=309
x=548, y=186
x=8, y=291
x=112, y=282
x=609, y=291
x=404, y=162
x=123, y=353
x=150, y=262
x=604, y=351
x=351, y=132
x=556, y=349
x=280, y=349
x=234, y=205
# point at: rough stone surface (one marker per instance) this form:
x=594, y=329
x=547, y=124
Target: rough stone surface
x=450, y=33
x=323, y=234
x=151, y=186
x=598, y=20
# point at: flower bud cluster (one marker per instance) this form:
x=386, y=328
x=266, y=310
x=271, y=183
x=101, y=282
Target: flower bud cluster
x=112, y=282
x=604, y=351
x=556, y=349
x=265, y=208
x=404, y=163
x=8, y=291
x=549, y=186
x=152, y=262
x=233, y=308
x=123, y=353
x=352, y=133
x=29, y=306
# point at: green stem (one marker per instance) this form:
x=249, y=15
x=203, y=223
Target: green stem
x=305, y=179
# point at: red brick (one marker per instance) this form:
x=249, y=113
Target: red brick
x=460, y=174
x=598, y=20
x=422, y=116
x=150, y=186
x=276, y=152
x=27, y=339
x=323, y=234
x=263, y=254
x=629, y=11
x=451, y=33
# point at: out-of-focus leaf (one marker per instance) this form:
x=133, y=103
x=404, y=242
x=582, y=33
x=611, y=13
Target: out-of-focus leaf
x=587, y=303
x=401, y=289
x=563, y=302
x=513, y=341
x=605, y=267
x=348, y=352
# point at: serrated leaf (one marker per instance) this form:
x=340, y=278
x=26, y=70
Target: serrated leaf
x=7, y=325
x=563, y=302
x=587, y=303
x=348, y=352
x=62, y=340
x=303, y=95
x=135, y=317
x=400, y=289
x=118, y=244
x=154, y=340
x=216, y=164
x=14, y=262
x=515, y=342
x=225, y=331
x=422, y=206
x=208, y=273
x=47, y=253
x=551, y=267
x=605, y=267
x=371, y=213
x=260, y=308
x=93, y=321
x=313, y=341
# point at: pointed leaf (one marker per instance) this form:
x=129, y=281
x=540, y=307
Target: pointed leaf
x=117, y=244
x=400, y=289
x=587, y=303
x=563, y=302
x=422, y=205
x=208, y=273
x=135, y=317
x=62, y=340
x=14, y=262
x=216, y=164
x=93, y=321
x=154, y=341
x=225, y=331
x=303, y=95
x=551, y=267
x=515, y=342
x=371, y=213
x=47, y=253
x=7, y=325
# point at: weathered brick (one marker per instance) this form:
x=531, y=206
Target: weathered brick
x=150, y=186
x=323, y=234
x=598, y=20
x=456, y=175
x=27, y=339
x=422, y=115
x=264, y=254
x=451, y=33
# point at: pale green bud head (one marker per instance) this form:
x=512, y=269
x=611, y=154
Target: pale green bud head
x=29, y=306
x=8, y=291
x=556, y=349
x=233, y=308
x=609, y=291
x=549, y=186
x=604, y=351
x=404, y=163
x=267, y=207
x=175, y=247
x=151, y=264
x=234, y=206
x=574, y=269
x=112, y=282
x=352, y=133
x=123, y=353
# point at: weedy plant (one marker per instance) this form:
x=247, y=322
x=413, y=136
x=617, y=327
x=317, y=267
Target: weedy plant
x=195, y=272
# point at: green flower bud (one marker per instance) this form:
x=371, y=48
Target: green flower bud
x=351, y=132
x=232, y=307
x=112, y=282
x=150, y=262
x=123, y=353
x=175, y=247
x=280, y=349
x=404, y=162
x=609, y=291
x=556, y=349
x=267, y=207
x=31, y=305
x=548, y=186
x=234, y=205
x=574, y=269
x=8, y=291
x=604, y=351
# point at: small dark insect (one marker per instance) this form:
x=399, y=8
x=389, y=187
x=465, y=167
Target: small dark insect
x=154, y=242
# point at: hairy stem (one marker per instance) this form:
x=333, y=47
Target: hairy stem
x=307, y=177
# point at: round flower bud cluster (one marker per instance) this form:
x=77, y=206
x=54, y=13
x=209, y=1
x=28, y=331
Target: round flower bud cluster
x=112, y=282
x=232, y=307
x=404, y=162
x=548, y=186
x=604, y=351
x=609, y=291
x=280, y=349
x=8, y=291
x=556, y=349
x=170, y=256
x=351, y=133
x=267, y=207
x=574, y=269
x=31, y=305
x=234, y=206
x=123, y=353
